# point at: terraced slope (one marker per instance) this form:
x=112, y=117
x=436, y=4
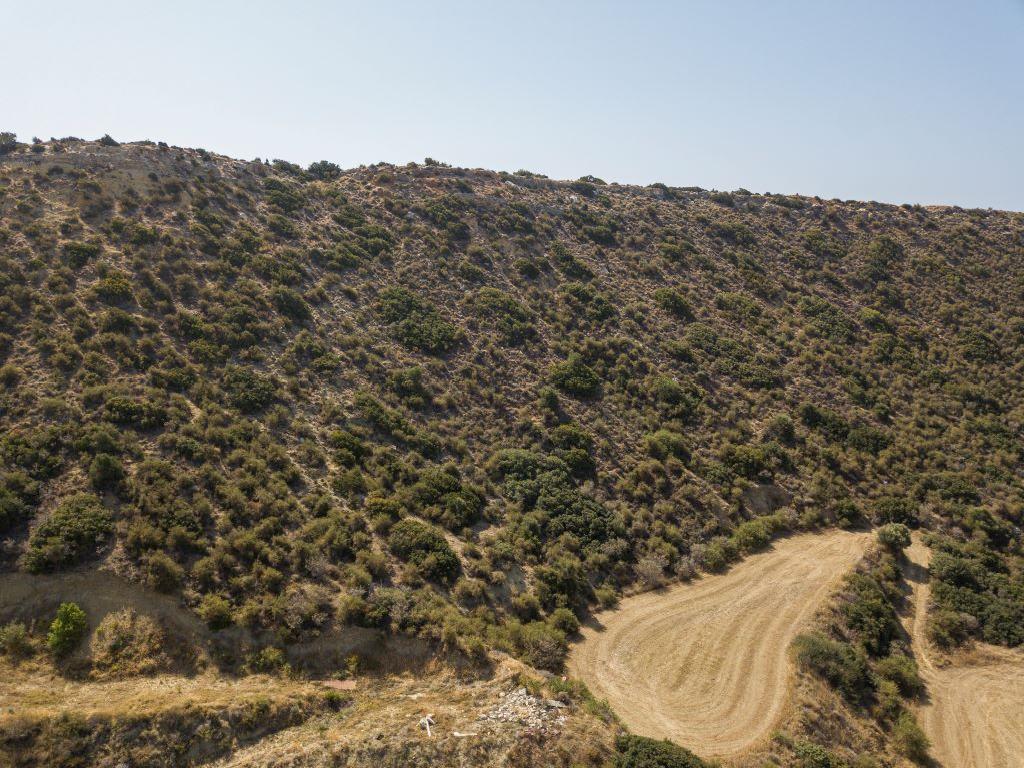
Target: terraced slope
x=975, y=713
x=706, y=664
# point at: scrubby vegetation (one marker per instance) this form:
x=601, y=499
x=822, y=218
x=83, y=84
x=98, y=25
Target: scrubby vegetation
x=860, y=651
x=640, y=752
x=468, y=406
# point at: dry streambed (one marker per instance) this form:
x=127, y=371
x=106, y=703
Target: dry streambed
x=706, y=664
x=975, y=710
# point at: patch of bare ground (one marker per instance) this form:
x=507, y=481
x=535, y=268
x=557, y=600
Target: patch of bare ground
x=706, y=664
x=974, y=714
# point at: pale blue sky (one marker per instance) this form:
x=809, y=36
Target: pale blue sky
x=898, y=101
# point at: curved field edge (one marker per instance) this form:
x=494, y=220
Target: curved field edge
x=974, y=715
x=706, y=664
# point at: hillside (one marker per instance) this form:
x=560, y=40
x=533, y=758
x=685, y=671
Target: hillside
x=470, y=407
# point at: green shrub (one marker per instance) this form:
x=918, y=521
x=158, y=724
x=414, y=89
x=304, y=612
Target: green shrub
x=425, y=547
x=909, y=740
x=74, y=531
x=541, y=645
x=511, y=319
x=677, y=400
x=15, y=641
x=18, y=495
x=77, y=255
x=105, y=472
x=894, y=509
x=752, y=535
x=67, y=629
x=216, y=612
x=813, y=755
x=565, y=621
x=894, y=536
x=949, y=629
x=247, y=390
x=323, y=170
x=642, y=752
x=902, y=670
x=673, y=302
x=130, y=411
x=291, y=304
x=575, y=377
x=836, y=662
x=115, y=288
x=269, y=660
x=665, y=443
x=415, y=323
x=868, y=612
x=162, y=573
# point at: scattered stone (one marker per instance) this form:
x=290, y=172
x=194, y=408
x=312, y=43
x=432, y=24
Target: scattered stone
x=518, y=707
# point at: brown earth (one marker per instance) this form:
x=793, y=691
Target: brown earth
x=975, y=710
x=706, y=664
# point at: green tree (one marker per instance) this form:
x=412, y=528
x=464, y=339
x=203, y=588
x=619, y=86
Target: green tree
x=67, y=629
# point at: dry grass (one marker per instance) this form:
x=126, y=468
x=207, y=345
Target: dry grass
x=706, y=664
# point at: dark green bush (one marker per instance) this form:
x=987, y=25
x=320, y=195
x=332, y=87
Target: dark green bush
x=323, y=170
x=673, y=302
x=425, y=547
x=894, y=509
x=575, y=377
x=130, y=411
x=106, y=472
x=73, y=532
x=642, y=752
x=77, y=255
x=511, y=319
x=415, y=323
x=247, y=390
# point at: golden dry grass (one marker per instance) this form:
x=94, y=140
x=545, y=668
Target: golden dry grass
x=975, y=710
x=706, y=664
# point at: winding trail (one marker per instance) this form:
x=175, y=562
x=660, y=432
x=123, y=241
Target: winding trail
x=706, y=664
x=975, y=710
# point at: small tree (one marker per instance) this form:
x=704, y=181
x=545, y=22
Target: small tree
x=894, y=536
x=8, y=142
x=67, y=629
x=323, y=170
x=105, y=472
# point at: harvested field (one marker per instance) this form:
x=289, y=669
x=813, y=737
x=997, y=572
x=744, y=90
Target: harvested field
x=706, y=664
x=974, y=715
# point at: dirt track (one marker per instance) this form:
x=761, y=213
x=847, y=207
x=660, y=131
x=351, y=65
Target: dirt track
x=975, y=712
x=706, y=664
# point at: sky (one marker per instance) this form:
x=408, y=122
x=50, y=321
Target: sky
x=895, y=101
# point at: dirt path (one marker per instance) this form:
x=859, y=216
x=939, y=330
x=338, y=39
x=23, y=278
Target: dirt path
x=37, y=694
x=706, y=664
x=24, y=595
x=975, y=713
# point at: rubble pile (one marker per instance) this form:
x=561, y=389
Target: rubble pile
x=519, y=707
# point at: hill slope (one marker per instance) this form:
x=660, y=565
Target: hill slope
x=466, y=405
